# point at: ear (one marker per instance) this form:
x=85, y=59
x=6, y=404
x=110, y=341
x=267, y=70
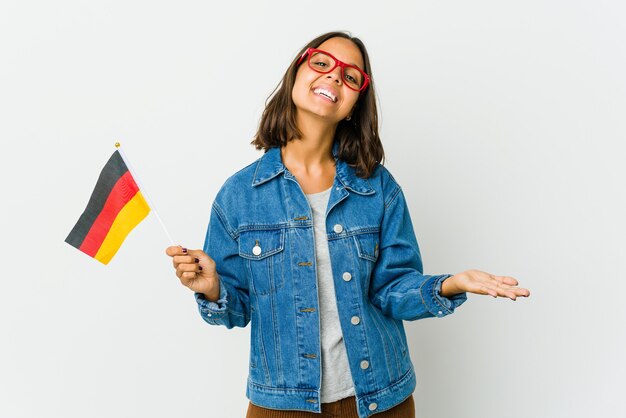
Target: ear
x=351, y=112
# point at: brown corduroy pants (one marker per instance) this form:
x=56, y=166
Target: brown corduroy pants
x=344, y=408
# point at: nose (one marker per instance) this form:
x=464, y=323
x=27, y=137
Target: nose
x=336, y=75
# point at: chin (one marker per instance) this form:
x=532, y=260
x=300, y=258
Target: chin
x=325, y=114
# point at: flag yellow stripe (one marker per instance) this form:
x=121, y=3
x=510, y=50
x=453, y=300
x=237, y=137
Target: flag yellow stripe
x=131, y=214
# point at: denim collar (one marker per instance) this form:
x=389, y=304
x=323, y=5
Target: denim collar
x=271, y=165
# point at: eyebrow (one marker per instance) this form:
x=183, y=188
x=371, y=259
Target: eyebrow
x=354, y=65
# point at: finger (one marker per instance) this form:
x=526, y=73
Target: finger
x=513, y=291
x=510, y=292
x=175, y=250
x=507, y=280
x=182, y=268
x=183, y=259
x=483, y=289
x=520, y=291
x=199, y=254
x=203, y=259
x=493, y=289
x=507, y=286
x=187, y=278
x=490, y=284
x=483, y=283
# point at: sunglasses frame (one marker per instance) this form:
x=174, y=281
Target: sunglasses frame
x=338, y=63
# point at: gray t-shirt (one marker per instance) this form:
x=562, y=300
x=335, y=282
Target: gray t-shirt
x=336, y=377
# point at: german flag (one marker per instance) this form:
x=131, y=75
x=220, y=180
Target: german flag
x=116, y=206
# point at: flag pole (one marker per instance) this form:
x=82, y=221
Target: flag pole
x=143, y=191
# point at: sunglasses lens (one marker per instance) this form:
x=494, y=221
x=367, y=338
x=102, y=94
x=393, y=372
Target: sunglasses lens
x=324, y=63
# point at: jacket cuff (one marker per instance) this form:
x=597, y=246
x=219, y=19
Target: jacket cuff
x=436, y=304
x=209, y=309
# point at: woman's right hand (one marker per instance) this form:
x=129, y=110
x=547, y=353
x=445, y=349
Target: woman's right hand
x=196, y=270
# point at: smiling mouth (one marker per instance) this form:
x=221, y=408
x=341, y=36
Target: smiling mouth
x=320, y=91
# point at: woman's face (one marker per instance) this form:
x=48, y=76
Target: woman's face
x=311, y=89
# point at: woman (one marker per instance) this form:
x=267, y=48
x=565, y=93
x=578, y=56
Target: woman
x=313, y=244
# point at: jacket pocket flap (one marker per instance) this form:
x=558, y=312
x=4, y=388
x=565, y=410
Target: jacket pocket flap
x=258, y=244
x=367, y=245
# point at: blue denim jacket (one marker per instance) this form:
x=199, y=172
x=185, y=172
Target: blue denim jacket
x=260, y=235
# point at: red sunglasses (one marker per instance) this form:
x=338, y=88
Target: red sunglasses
x=323, y=62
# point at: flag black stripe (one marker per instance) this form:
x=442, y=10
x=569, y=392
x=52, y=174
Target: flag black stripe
x=111, y=173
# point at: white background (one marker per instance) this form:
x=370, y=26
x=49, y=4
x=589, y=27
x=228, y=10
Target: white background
x=504, y=122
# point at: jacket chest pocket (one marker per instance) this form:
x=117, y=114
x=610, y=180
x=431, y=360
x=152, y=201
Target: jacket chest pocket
x=263, y=251
x=367, y=245
x=367, y=251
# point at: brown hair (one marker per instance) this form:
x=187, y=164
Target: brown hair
x=358, y=139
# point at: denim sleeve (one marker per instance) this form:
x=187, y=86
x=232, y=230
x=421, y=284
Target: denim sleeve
x=232, y=307
x=398, y=286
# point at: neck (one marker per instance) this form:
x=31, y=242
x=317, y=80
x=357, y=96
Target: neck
x=314, y=149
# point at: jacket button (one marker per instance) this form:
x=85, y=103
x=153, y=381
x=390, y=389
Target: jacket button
x=365, y=364
x=256, y=250
x=347, y=276
x=373, y=406
x=440, y=313
x=338, y=229
x=355, y=320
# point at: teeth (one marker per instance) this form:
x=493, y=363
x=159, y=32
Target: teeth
x=326, y=93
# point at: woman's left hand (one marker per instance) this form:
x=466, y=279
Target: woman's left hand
x=482, y=283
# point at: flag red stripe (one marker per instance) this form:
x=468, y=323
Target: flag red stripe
x=123, y=191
